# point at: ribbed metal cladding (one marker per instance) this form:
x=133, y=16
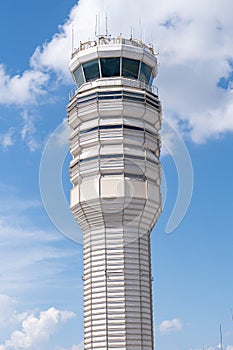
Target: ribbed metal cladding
x=116, y=200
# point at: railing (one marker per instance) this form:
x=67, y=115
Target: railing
x=108, y=40
x=114, y=82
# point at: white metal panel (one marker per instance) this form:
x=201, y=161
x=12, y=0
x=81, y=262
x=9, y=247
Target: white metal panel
x=74, y=196
x=112, y=187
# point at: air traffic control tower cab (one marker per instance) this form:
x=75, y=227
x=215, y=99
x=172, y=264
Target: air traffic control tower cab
x=111, y=58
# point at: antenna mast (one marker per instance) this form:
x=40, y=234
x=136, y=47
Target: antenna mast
x=131, y=32
x=98, y=30
x=140, y=27
x=96, y=24
x=221, y=343
x=106, y=24
x=72, y=40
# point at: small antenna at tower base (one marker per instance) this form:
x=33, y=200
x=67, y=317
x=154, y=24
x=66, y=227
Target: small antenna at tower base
x=220, y=340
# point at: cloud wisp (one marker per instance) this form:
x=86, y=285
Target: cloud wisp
x=228, y=347
x=170, y=326
x=8, y=313
x=28, y=132
x=7, y=138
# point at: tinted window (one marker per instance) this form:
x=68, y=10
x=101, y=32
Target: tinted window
x=130, y=68
x=91, y=70
x=151, y=80
x=110, y=67
x=78, y=74
x=145, y=73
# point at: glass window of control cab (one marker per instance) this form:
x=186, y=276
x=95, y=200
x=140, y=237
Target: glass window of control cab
x=78, y=75
x=130, y=68
x=110, y=67
x=145, y=73
x=91, y=70
x=113, y=67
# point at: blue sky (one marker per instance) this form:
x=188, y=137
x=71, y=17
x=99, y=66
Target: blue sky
x=41, y=269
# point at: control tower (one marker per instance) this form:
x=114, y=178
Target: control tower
x=115, y=118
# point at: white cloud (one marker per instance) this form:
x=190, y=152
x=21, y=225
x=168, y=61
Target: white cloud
x=7, y=139
x=22, y=89
x=28, y=132
x=229, y=347
x=169, y=326
x=37, y=330
x=8, y=314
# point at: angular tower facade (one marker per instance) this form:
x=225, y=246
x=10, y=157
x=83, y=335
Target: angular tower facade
x=115, y=118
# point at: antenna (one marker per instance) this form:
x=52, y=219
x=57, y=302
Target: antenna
x=96, y=24
x=99, y=26
x=131, y=32
x=140, y=27
x=98, y=31
x=220, y=344
x=106, y=24
x=144, y=36
x=72, y=39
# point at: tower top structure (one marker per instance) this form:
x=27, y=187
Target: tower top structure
x=106, y=57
